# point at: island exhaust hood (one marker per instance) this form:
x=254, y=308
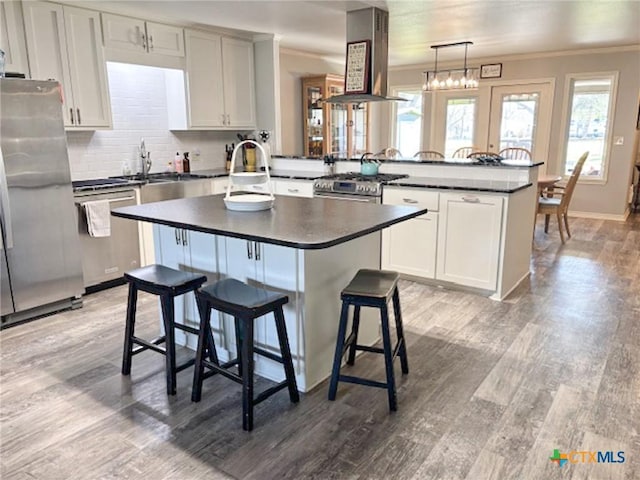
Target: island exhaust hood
x=370, y=25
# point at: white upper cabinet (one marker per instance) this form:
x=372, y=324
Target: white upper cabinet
x=132, y=34
x=64, y=44
x=220, y=81
x=239, y=88
x=204, y=80
x=12, y=40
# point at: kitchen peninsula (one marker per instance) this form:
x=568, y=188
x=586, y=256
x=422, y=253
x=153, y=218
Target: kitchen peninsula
x=306, y=248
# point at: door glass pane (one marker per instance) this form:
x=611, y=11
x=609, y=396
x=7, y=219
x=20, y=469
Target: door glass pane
x=518, y=122
x=409, y=123
x=461, y=120
x=338, y=132
x=359, y=118
x=315, y=121
x=588, y=125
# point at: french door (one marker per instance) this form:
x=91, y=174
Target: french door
x=494, y=117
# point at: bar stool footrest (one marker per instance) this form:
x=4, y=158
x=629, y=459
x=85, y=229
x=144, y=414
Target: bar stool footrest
x=269, y=391
x=362, y=381
x=269, y=355
x=187, y=364
x=148, y=345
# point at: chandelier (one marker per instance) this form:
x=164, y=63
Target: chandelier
x=453, y=79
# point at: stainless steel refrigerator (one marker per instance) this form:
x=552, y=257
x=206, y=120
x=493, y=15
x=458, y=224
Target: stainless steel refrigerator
x=40, y=259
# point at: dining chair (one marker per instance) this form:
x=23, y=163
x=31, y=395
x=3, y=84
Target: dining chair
x=464, y=152
x=428, y=155
x=391, y=152
x=559, y=205
x=515, y=153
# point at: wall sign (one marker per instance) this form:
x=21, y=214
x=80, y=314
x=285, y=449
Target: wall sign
x=356, y=77
x=492, y=70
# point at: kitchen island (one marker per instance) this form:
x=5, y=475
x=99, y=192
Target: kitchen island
x=308, y=248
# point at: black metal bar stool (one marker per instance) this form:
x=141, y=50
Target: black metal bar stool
x=245, y=303
x=167, y=283
x=370, y=288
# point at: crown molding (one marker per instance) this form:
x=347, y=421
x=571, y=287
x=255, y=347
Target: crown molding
x=523, y=56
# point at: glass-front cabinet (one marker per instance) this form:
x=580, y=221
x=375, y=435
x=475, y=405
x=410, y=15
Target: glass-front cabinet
x=338, y=129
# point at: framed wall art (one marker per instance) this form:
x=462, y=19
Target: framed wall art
x=491, y=70
x=356, y=77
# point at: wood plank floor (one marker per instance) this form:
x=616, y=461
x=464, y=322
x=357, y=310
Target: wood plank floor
x=493, y=389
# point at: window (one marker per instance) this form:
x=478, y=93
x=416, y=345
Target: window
x=408, y=122
x=589, y=124
x=518, y=123
x=461, y=120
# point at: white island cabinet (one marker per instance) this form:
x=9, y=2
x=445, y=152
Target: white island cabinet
x=306, y=248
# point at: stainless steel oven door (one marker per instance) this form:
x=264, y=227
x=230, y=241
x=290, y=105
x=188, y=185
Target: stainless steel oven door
x=348, y=196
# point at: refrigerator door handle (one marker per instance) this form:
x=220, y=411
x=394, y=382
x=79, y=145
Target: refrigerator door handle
x=5, y=209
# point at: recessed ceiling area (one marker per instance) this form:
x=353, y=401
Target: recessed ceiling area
x=497, y=27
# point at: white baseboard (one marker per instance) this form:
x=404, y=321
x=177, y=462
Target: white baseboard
x=600, y=216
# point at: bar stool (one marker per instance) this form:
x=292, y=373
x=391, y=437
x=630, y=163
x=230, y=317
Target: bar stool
x=167, y=283
x=245, y=303
x=370, y=288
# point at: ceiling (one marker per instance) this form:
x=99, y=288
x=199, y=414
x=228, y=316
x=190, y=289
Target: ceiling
x=497, y=27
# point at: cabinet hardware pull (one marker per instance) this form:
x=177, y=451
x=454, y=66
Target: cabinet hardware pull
x=257, y=247
x=150, y=42
x=258, y=187
x=177, y=233
x=144, y=42
x=79, y=121
x=409, y=200
x=471, y=199
x=72, y=120
x=292, y=190
x=249, y=251
x=184, y=237
x=228, y=119
x=224, y=120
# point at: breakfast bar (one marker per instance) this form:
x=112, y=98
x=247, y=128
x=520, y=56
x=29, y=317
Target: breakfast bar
x=307, y=248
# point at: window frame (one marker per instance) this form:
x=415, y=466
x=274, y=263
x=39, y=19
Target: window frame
x=395, y=91
x=570, y=79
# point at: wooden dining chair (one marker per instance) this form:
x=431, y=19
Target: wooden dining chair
x=428, y=155
x=464, y=152
x=391, y=152
x=515, y=153
x=558, y=204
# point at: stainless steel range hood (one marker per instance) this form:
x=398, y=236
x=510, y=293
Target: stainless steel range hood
x=370, y=24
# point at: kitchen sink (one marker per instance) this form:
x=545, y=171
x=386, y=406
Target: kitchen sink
x=158, y=189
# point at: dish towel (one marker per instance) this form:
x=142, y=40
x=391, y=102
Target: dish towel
x=98, y=218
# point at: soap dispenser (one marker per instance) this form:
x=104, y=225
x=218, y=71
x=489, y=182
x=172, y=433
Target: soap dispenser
x=178, y=163
x=186, y=166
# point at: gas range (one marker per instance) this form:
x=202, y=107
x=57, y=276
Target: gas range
x=352, y=184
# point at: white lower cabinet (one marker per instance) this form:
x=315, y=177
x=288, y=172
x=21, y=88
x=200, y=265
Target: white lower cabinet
x=294, y=188
x=469, y=239
x=410, y=247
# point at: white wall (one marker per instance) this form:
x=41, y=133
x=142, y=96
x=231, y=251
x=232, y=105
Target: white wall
x=604, y=200
x=139, y=107
x=293, y=67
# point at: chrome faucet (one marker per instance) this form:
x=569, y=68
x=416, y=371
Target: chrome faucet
x=145, y=159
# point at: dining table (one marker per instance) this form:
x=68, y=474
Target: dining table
x=546, y=182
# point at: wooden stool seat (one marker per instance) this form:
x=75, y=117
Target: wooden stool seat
x=370, y=288
x=167, y=283
x=245, y=303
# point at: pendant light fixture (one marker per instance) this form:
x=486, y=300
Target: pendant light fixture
x=464, y=78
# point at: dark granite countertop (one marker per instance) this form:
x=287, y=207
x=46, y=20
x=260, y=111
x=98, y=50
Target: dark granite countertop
x=305, y=223
x=493, y=186
x=445, y=161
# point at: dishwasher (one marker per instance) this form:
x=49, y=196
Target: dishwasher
x=105, y=259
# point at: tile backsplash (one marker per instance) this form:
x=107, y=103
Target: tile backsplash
x=139, y=110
